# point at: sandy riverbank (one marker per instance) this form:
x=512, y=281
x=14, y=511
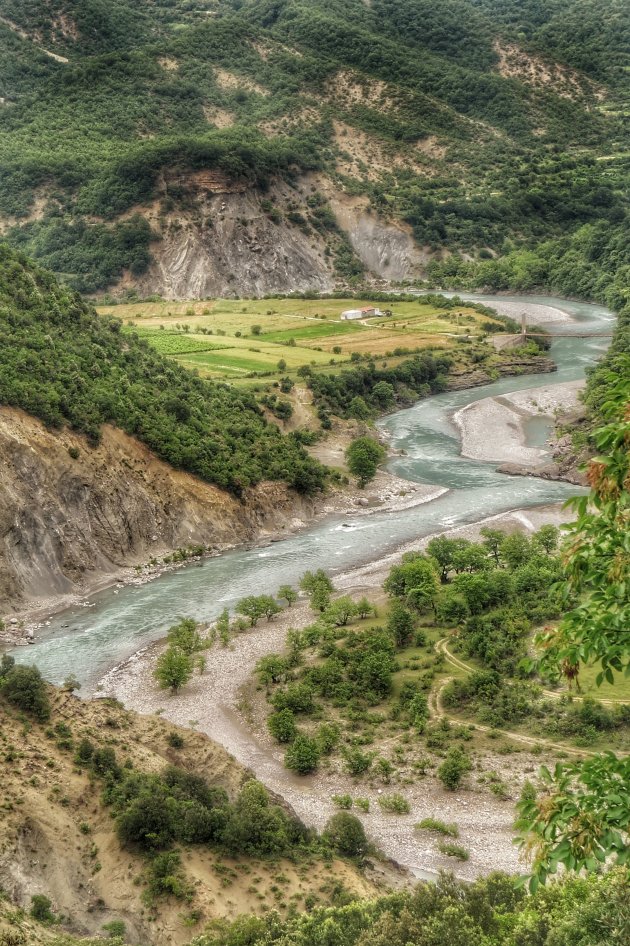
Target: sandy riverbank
x=217, y=702
x=535, y=313
x=494, y=428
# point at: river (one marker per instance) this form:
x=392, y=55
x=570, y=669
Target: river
x=89, y=640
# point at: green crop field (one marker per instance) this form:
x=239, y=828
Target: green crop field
x=241, y=339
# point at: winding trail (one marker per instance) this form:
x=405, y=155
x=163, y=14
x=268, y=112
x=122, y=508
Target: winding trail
x=442, y=648
x=437, y=711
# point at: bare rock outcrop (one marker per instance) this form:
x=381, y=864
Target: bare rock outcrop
x=71, y=515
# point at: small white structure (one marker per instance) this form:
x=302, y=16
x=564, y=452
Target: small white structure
x=367, y=312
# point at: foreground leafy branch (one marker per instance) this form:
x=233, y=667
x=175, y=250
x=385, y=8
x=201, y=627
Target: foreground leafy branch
x=582, y=818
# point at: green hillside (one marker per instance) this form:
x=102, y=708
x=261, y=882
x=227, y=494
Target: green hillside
x=66, y=365
x=483, y=125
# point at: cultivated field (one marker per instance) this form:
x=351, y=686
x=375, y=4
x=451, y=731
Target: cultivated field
x=241, y=340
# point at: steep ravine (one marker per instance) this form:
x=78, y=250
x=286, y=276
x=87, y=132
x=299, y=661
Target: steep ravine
x=69, y=521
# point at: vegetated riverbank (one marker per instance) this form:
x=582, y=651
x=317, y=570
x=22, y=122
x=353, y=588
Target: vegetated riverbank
x=385, y=493
x=93, y=518
x=221, y=702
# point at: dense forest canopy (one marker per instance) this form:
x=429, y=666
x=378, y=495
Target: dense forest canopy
x=524, y=101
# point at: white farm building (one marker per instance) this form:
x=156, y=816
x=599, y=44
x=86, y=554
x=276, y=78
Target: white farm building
x=368, y=312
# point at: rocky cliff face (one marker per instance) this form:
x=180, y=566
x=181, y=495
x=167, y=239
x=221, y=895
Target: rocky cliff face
x=67, y=523
x=233, y=240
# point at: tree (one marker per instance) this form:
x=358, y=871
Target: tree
x=174, y=669
x=414, y=580
x=454, y=767
x=269, y=606
x=582, y=817
x=346, y=834
x=252, y=607
x=256, y=329
x=319, y=588
x=365, y=608
x=363, y=457
x=452, y=608
x=282, y=725
x=359, y=409
x=41, y=909
x=185, y=635
x=547, y=538
x=340, y=611
x=442, y=549
x=256, y=827
x=516, y=549
x=24, y=687
x=302, y=755
x=288, y=594
x=271, y=669
x=223, y=626
x=401, y=624
x=493, y=540
x=470, y=557
x=383, y=394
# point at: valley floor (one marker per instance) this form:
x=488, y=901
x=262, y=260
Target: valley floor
x=222, y=704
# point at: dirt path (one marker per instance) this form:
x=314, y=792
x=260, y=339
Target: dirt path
x=437, y=710
x=442, y=648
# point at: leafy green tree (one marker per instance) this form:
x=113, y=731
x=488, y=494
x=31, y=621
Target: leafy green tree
x=582, y=817
x=346, y=834
x=340, y=611
x=24, y=688
x=223, y=626
x=185, y=635
x=271, y=669
x=455, y=766
x=269, y=606
x=363, y=457
x=383, y=394
x=319, y=587
x=415, y=580
x=298, y=697
x=547, y=538
x=516, y=549
x=442, y=550
x=493, y=540
x=365, y=608
x=302, y=756
x=287, y=593
x=359, y=409
x=252, y=607
x=256, y=827
x=401, y=624
x=470, y=557
x=327, y=737
x=41, y=909
x=174, y=669
x=452, y=608
x=282, y=725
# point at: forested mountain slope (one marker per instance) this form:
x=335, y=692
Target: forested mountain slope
x=214, y=147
